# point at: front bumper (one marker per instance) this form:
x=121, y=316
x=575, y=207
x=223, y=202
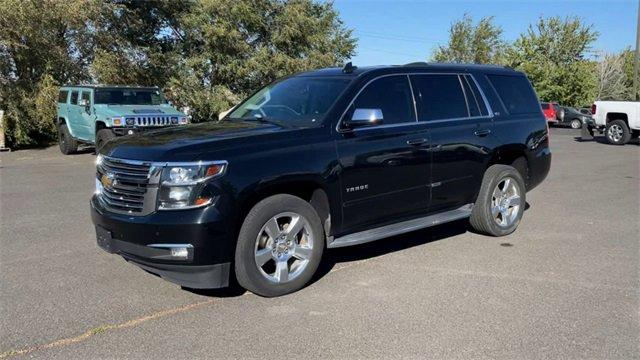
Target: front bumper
x=130, y=130
x=146, y=242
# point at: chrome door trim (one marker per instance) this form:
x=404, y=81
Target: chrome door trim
x=484, y=98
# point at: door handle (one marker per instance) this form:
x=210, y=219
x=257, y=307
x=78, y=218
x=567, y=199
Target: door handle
x=483, y=132
x=416, y=142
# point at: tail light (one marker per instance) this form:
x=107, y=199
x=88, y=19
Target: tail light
x=593, y=109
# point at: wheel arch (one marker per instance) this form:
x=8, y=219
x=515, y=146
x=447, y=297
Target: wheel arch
x=307, y=188
x=513, y=155
x=612, y=116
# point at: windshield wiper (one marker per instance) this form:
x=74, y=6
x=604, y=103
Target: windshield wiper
x=260, y=120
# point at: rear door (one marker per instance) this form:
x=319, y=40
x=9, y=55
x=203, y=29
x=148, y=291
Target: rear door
x=460, y=127
x=384, y=168
x=63, y=100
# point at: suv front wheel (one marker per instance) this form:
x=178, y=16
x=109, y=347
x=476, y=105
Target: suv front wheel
x=279, y=246
x=500, y=203
x=102, y=136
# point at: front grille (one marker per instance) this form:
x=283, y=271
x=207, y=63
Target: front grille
x=126, y=186
x=151, y=120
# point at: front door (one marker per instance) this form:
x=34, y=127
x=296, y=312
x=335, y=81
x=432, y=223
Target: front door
x=86, y=116
x=75, y=117
x=384, y=167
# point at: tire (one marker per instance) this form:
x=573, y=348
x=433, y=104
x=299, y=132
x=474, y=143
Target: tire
x=617, y=132
x=264, y=239
x=576, y=124
x=68, y=145
x=102, y=137
x=507, y=215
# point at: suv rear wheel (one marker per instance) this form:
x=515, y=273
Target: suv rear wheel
x=279, y=246
x=617, y=132
x=68, y=145
x=500, y=203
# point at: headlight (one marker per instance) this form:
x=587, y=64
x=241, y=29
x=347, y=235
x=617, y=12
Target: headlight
x=131, y=121
x=182, y=185
x=184, y=120
x=174, y=120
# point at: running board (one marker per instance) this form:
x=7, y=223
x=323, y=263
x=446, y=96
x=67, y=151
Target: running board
x=401, y=227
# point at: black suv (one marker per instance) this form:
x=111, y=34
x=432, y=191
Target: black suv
x=322, y=159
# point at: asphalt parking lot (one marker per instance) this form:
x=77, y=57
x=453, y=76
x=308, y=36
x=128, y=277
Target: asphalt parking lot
x=564, y=285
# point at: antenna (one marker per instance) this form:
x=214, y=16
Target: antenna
x=348, y=68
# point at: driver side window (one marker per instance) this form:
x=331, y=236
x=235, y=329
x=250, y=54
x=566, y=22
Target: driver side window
x=392, y=95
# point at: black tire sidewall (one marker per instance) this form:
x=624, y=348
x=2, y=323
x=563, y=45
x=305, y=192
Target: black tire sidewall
x=486, y=194
x=102, y=136
x=247, y=272
x=626, y=133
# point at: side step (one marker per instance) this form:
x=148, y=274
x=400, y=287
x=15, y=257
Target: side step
x=401, y=227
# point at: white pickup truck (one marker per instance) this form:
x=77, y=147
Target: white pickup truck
x=618, y=120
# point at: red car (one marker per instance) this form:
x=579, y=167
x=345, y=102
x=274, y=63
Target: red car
x=550, y=111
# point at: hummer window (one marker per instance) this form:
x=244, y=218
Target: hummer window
x=295, y=101
x=86, y=96
x=74, y=97
x=129, y=97
x=62, y=96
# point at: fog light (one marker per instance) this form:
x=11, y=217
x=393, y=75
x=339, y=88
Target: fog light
x=130, y=132
x=180, y=252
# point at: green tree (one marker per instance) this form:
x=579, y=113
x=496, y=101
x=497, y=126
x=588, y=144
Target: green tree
x=629, y=58
x=553, y=55
x=42, y=43
x=479, y=43
x=231, y=48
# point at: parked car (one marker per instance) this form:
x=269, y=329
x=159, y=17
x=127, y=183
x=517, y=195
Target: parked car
x=322, y=159
x=585, y=111
x=96, y=114
x=550, y=111
x=619, y=121
x=572, y=117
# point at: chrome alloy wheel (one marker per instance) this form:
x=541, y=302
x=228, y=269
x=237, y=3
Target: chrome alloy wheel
x=505, y=202
x=283, y=247
x=615, y=132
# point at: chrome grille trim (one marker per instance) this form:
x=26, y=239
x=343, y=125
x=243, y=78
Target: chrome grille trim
x=133, y=186
x=152, y=120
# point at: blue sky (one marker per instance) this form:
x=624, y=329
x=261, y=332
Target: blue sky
x=402, y=31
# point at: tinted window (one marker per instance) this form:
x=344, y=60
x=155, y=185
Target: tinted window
x=477, y=97
x=74, y=97
x=439, y=96
x=129, y=97
x=86, y=96
x=545, y=106
x=62, y=96
x=296, y=101
x=392, y=95
x=516, y=93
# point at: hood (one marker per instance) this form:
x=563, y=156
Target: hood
x=184, y=143
x=122, y=110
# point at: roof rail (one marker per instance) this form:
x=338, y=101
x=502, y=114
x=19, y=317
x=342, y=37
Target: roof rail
x=348, y=68
x=417, y=63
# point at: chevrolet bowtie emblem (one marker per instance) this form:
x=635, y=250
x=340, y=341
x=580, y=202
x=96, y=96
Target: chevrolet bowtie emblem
x=107, y=180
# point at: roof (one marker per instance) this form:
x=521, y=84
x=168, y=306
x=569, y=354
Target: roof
x=412, y=67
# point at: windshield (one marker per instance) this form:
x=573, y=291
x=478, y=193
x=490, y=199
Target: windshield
x=129, y=97
x=296, y=101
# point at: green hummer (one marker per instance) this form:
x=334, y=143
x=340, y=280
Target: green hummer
x=95, y=114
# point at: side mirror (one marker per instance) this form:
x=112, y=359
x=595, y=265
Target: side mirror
x=365, y=117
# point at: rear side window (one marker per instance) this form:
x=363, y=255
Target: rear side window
x=477, y=107
x=392, y=95
x=439, y=97
x=62, y=96
x=516, y=93
x=74, y=98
